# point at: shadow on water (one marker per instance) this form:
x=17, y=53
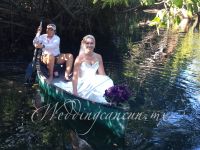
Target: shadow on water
x=82, y=132
x=19, y=130
x=16, y=107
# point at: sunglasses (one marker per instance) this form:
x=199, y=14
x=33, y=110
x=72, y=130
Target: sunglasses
x=50, y=29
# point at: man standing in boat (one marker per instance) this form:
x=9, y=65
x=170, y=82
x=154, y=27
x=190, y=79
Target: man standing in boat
x=50, y=44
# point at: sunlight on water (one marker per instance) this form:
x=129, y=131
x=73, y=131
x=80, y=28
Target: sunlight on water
x=166, y=102
x=170, y=88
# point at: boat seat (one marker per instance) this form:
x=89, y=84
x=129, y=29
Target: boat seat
x=57, y=67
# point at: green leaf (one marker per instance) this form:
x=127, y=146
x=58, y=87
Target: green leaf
x=95, y=1
x=177, y=3
x=155, y=21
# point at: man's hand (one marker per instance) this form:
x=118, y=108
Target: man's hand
x=38, y=45
x=39, y=29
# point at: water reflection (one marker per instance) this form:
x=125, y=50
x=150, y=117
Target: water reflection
x=18, y=131
x=172, y=89
x=97, y=137
x=167, y=91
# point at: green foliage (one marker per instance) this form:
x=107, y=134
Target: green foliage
x=111, y=3
x=174, y=11
x=147, y=2
x=170, y=16
x=176, y=3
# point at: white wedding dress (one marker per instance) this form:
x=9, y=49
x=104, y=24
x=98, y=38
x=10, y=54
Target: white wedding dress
x=90, y=85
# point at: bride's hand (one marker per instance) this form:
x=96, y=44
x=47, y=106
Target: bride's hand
x=75, y=93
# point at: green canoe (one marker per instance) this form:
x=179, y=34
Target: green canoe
x=107, y=115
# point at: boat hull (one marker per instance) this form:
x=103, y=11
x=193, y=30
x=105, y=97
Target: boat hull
x=105, y=114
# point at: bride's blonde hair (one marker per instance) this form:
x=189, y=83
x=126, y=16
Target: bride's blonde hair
x=83, y=42
x=88, y=36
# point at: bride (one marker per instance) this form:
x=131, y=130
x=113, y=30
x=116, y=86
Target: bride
x=89, y=79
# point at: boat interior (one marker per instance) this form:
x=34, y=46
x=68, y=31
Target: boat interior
x=59, y=80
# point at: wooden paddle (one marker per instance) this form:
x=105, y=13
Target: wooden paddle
x=31, y=69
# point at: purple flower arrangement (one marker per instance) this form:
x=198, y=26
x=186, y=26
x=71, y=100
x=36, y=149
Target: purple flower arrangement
x=117, y=94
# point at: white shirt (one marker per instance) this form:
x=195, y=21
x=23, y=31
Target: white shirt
x=52, y=45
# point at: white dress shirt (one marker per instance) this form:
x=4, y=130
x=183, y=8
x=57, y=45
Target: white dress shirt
x=51, y=45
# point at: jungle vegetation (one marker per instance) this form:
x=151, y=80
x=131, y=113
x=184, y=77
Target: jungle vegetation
x=19, y=19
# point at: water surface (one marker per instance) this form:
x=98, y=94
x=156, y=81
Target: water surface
x=166, y=95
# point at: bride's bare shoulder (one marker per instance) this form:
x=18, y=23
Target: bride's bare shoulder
x=79, y=58
x=97, y=55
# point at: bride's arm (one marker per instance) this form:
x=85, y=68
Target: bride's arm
x=101, y=70
x=75, y=75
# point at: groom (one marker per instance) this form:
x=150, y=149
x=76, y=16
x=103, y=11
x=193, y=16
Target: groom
x=50, y=44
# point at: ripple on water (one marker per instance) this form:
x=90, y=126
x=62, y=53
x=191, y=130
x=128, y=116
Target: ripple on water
x=173, y=88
